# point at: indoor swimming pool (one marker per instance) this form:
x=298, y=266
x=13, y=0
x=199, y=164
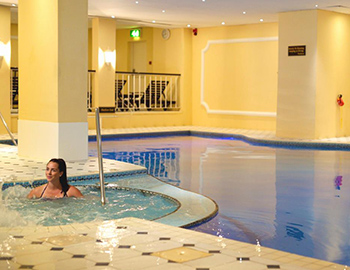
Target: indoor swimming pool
x=295, y=200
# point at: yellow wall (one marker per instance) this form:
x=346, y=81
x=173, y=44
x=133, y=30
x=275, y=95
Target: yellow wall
x=14, y=123
x=164, y=57
x=123, y=42
x=90, y=49
x=238, y=76
x=14, y=45
x=5, y=62
x=333, y=65
x=121, y=45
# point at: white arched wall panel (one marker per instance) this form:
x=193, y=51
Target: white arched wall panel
x=230, y=112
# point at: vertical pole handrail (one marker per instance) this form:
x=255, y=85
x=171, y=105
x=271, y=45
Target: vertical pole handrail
x=171, y=91
x=100, y=162
x=178, y=104
x=8, y=130
x=89, y=92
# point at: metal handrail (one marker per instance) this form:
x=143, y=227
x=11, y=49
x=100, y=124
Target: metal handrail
x=8, y=130
x=100, y=162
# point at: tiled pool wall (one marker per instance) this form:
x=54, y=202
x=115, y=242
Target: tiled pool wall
x=273, y=142
x=82, y=179
x=278, y=143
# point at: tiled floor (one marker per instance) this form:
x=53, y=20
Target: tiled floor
x=14, y=168
x=132, y=243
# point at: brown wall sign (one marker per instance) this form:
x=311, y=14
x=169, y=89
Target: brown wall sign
x=107, y=109
x=296, y=50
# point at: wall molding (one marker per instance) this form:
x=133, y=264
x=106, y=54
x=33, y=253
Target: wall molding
x=229, y=112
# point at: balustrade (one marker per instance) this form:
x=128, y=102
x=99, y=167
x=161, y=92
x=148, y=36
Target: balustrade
x=134, y=91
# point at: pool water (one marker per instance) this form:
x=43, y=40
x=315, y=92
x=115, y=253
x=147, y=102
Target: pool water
x=17, y=210
x=288, y=199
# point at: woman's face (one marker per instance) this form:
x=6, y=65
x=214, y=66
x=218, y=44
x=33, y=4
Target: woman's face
x=53, y=173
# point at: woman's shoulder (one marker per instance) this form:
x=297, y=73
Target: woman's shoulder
x=74, y=192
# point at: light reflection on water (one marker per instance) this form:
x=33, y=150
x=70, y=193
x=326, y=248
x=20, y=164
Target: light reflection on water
x=292, y=200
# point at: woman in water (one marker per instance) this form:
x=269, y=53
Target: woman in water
x=57, y=186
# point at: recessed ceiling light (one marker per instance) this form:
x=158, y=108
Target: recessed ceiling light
x=113, y=17
x=244, y=12
x=163, y=11
x=203, y=0
x=316, y=6
x=188, y=25
x=136, y=2
x=261, y=20
x=223, y=23
x=154, y=21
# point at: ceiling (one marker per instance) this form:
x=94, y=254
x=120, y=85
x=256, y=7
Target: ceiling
x=198, y=13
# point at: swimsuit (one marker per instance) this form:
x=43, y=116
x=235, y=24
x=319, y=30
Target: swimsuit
x=42, y=193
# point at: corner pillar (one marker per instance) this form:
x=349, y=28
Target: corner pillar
x=104, y=62
x=5, y=66
x=53, y=50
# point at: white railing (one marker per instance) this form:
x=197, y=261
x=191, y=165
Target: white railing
x=134, y=91
x=138, y=91
x=14, y=90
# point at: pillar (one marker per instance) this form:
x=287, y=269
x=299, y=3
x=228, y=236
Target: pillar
x=308, y=84
x=103, y=61
x=53, y=79
x=297, y=75
x=5, y=64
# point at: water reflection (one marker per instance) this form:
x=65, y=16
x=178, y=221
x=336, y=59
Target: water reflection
x=338, y=181
x=293, y=231
x=292, y=200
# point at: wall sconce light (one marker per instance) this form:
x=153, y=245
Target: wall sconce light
x=109, y=57
x=2, y=52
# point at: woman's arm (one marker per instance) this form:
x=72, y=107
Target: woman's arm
x=74, y=192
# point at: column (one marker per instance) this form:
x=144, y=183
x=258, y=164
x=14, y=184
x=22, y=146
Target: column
x=297, y=75
x=103, y=61
x=5, y=64
x=53, y=42
x=308, y=84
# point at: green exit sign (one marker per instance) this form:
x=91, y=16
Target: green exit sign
x=135, y=33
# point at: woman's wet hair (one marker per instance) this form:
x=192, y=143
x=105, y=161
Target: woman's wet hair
x=63, y=168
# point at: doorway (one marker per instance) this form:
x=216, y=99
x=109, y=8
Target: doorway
x=138, y=56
